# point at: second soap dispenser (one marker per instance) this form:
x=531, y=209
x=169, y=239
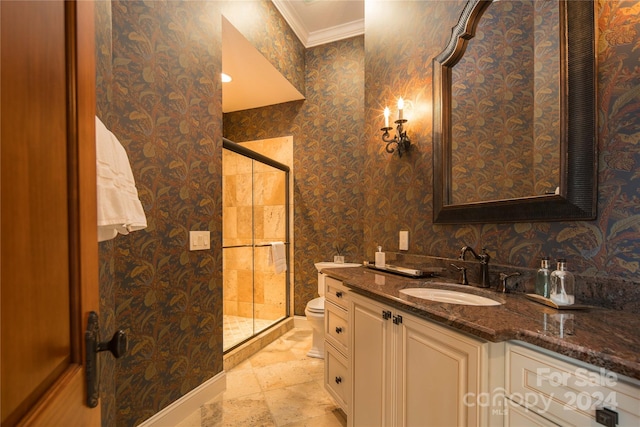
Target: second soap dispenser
x=562, y=285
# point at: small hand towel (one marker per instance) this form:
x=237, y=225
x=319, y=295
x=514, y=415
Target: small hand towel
x=278, y=257
x=119, y=208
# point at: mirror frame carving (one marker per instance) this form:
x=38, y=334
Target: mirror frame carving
x=578, y=153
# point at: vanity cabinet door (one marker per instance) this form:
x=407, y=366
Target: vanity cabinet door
x=437, y=369
x=412, y=372
x=372, y=364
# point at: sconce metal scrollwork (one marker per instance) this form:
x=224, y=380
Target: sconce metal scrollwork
x=401, y=139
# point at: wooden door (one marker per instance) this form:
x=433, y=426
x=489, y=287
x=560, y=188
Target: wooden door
x=49, y=244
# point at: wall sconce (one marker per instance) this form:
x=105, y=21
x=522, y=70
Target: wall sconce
x=401, y=139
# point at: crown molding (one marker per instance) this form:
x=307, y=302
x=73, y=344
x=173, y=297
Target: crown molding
x=316, y=38
x=339, y=32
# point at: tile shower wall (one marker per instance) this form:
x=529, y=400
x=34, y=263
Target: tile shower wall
x=328, y=153
x=253, y=212
x=398, y=63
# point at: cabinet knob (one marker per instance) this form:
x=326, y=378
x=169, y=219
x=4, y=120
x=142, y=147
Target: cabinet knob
x=338, y=380
x=339, y=294
x=338, y=330
x=386, y=314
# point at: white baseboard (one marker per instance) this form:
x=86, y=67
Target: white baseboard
x=189, y=403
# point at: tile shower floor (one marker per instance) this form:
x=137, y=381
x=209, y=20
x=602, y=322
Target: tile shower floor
x=279, y=386
x=237, y=329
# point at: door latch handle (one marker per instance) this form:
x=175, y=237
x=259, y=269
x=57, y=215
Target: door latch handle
x=118, y=346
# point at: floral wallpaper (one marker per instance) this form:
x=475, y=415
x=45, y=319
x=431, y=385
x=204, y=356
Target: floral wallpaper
x=398, y=63
x=164, y=105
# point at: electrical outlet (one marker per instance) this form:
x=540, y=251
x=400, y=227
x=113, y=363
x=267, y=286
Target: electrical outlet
x=199, y=240
x=404, y=240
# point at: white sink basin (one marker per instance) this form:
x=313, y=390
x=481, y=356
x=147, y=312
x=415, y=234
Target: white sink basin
x=448, y=296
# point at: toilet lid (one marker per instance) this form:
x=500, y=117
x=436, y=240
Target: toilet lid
x=316, y=305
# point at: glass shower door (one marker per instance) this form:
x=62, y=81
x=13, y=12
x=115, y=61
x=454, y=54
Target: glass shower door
x=255, y=208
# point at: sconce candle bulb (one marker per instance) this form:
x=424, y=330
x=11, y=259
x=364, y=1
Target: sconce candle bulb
x=401, y=139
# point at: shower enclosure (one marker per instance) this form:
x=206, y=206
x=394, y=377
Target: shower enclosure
x=255, y=215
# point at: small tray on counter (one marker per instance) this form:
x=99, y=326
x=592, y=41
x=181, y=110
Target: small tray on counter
x=404, y=271
x=549, y=303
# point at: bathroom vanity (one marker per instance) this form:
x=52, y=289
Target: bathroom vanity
x=402, y=361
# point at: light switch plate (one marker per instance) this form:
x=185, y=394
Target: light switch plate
x=199, y=240
x=404, y=240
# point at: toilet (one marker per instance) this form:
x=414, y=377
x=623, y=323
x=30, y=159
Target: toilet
x=314, y=310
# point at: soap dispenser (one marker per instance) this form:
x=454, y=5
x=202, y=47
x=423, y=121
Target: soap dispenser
x=562, y=285
x=380, y=261
x=543, y=278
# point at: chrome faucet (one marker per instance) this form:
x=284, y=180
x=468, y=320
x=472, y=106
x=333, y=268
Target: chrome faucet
x=484, y=264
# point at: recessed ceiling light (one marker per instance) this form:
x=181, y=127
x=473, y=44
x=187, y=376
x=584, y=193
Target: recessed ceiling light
x=225, y=78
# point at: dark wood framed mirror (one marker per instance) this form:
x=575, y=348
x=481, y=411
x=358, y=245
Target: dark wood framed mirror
x=571, y=192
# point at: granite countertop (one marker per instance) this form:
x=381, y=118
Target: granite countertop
x=605, y=338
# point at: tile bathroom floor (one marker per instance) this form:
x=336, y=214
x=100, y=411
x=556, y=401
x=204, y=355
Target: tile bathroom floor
x=279, y=386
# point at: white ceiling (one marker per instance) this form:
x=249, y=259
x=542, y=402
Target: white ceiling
x=256, y=83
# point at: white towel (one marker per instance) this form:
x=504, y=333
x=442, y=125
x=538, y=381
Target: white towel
x=119, y=209
x=278, y=257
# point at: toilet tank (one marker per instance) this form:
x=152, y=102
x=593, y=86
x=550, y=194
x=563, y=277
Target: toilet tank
x=321, y=276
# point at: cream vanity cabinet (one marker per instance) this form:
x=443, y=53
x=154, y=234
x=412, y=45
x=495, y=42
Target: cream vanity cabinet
x=408, y=371
x=337, y=372
x=549, y=389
